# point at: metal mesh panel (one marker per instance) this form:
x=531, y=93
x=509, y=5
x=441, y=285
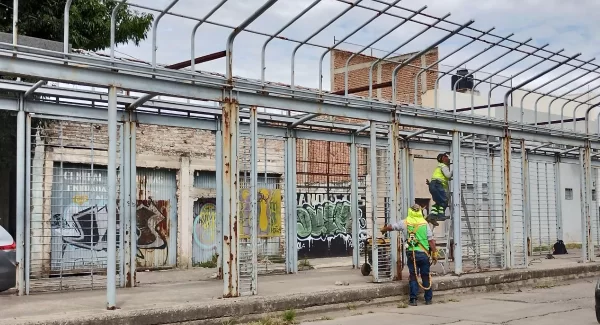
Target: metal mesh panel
x=383, y=212
x=246, y=221
x=519, y=237
x=271, y=209
x=324, y=223
x=544, y=221
x=595, y=211
x=67, y=239
x=481, y=211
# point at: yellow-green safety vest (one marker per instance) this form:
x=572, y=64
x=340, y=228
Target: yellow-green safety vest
x=416, y=228
x=439, y=175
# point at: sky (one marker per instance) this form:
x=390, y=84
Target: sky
x=569, y=27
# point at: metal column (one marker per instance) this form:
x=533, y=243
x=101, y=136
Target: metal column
x=27, y=202
x=456, y=220
x=125, y=215
x=132, y=273
x=354, y=201
x=291, y=256
x=506, y=175
x=253, y=198
x=557, y=189
x=121, y=208
x=374, y=230
x=111, y=264
x=394, y=189
x=587, y=249
x=20, y=240
x=526, y=201
x=219, y=208
x=230, y=198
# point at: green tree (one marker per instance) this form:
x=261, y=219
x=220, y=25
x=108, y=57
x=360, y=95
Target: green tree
x=89, y=30
x=89, y=22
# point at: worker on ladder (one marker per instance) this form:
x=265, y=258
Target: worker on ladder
x=438, y=188
x=420, y=248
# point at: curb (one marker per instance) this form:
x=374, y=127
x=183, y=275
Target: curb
x=228, y=308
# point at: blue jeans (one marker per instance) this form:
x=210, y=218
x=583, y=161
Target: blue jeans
x=440, y=197
x=422, y=263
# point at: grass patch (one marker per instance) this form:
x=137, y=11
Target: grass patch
x=289, y=316
x=351, y=306
x=453, y=300
x=573, y=246
x=402, y=304
x=544, y=285
x=208, y=264
x=357, y=314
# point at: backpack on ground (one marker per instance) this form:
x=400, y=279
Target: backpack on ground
x=559, y=248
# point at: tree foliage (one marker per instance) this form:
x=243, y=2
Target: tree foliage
x=89, y=22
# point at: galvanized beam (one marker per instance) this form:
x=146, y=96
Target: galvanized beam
x=507, y=196
x=111, y=263
x=456, y=216
x=354, y=201
x=20, y=196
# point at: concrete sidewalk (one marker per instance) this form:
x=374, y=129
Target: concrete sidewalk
x=185, y=301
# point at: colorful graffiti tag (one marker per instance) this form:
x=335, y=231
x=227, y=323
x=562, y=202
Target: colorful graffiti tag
x=324, y=224
x=269, y=212
x=152, y=223
x=205, y=225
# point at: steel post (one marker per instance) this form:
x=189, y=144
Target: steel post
x=586, y=196
x=456, y=219
x=132, y=273
x=507, y=208
x=66, y=26
x=374, y=230
x=253, y=197
x=28, y=135
x=125, y=215
x=219, y=209
x=287, y=154
x=526, y=197
x=230, y=196
x=294, y=208
x=354, y=201
x=20, y=175
x=557, y=191
x=394, y=190
x=111, y=263
x=121, y=208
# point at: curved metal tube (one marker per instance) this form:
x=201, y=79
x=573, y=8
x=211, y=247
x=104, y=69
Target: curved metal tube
x=440, y=76
x=236, y=31
x=524, y=83
x=155, y=30
x=375, y=41
x=575, y=98
x=396, y=49
x=516, y=75
x=482, y=67
x=292, y=86
x=113, y=28
x=420, y=53
x=66, y=26
x=587, y=102
x=440, y=60
x=195, y=29
x=566, y=93
x=347, y=37
x=555, y=89
x=542, y=86
x=587, y=115
x=264, y=47
x=15, y=26
x=495, y=74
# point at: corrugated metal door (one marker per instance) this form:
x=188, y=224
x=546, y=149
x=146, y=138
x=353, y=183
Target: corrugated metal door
x=156, y=217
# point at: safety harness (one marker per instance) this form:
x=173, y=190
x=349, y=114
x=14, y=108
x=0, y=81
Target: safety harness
x=413, y=243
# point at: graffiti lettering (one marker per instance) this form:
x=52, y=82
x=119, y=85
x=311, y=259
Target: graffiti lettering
x=205, y=225
x=152, y=226
x=327, y=219
x=269, y=212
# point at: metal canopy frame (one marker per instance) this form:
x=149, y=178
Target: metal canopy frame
x=239, y=99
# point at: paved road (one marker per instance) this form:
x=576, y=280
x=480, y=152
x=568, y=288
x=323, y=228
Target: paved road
x=571, y=304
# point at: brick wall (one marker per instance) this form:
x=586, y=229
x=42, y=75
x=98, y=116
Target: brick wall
x=313, y=155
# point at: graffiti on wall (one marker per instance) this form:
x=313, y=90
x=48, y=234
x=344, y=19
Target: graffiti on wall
x=324, y=224
x=152, y=227
x=205, y=225
x=269, y=212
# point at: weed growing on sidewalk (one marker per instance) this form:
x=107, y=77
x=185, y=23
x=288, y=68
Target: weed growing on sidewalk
x=351, y=306
x=289, y=315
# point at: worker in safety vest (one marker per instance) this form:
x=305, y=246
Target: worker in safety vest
x=438, y=188
x=420, y=248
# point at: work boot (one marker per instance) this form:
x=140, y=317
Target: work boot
x=412, y=302
x=431, y=220
x=428, y=302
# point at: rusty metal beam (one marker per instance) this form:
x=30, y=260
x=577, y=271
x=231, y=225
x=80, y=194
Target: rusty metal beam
x=198, y=60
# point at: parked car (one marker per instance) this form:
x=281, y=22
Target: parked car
x=8, y=261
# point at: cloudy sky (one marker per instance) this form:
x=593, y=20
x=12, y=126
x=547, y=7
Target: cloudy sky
x=567, y=25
